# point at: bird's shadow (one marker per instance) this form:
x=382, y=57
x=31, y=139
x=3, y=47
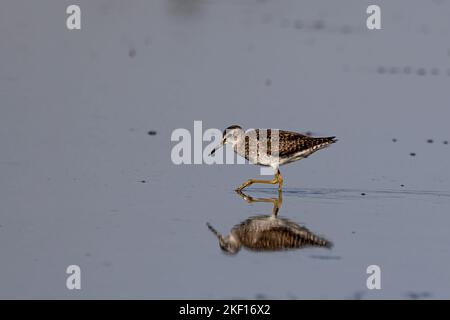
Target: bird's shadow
x=267, y=233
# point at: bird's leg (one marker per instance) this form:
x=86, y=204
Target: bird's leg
x=277, y=179
x=276, y=201
x=280, y=180
x=250, y=199
x=252, y=181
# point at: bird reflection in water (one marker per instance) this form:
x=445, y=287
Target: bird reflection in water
x=268, y=232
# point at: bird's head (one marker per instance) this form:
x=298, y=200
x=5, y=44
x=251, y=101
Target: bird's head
x=231, y=135
x=229, y=244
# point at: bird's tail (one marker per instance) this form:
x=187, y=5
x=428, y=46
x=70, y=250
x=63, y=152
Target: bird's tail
x=323, y=142
x=330, y=139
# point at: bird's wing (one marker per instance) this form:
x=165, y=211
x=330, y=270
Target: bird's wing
x=292, y=142
x=281, y=237
x=289, y=142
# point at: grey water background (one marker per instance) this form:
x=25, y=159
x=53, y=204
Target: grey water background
x=81, y=181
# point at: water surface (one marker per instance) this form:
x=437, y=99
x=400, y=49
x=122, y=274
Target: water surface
x=83, y=182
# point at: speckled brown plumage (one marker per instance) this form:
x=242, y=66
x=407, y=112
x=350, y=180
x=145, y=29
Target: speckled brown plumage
x=292, y=142
x=289, y=143
x=268, y=233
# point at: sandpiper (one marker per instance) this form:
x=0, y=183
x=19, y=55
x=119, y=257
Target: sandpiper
x=271, y=147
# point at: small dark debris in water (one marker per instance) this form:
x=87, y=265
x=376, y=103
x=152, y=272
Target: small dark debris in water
x=381, y=70
x=394, y=140
x=393, y=70
x=363, y=194
x=143, y=181
x=319, y=25
x=107, y=264
x=421, y=71
x=358, y=295
x=353, y=232
x=268, y=82
x=430, y=141
x=407, y=70
x=151, y=133
x=325, y=257
x=298, y=24
x=132, y=53
x=445, y=142
x=402, y=185
x=292, y=296
x=412, y=154
x=308, y=133
x=418, y=295
x=261, y=296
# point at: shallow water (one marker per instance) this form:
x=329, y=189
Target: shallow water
x=82, y=182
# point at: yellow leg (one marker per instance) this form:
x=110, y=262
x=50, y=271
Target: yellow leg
x=277, y=179
x=276, y=202
x=280, y=181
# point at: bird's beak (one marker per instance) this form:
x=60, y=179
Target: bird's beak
x=215, y=232
x=218, y=147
